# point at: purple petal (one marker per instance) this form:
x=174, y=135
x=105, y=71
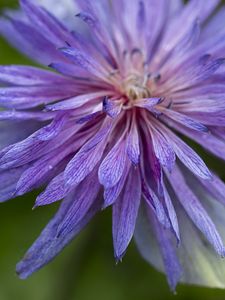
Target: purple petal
x=84, y=196
x=12, y=132
x=14, y=115
x=163, y=150
x=88, y=156
x=148, y=103
x=151, y=166
x=32, y=148
x=47, y=246
x=141, y=17
x=55, y=191
x=69, y=69
x=76, y=102
x=171, y=213
x=185, y=120
x=52, y=130
x=8, y=182
x=125, y=212
x=171, y=263
x=88, y=118
x=156, y=246
x=195, y=210
x=112, y=107
x=189, y=157
x=215, y=118
x=111, y=194
x=111, y=168
x=35, y=38
x=133, y=146
x=46, y=23
x=210, y=142
x=194, y=73
x=84, y=61
x=11, y=34
x=23, y=97
x=155, y=204
x=32, y=177
x=30, y=76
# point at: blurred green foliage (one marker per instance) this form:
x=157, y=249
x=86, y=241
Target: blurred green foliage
x=84, y=270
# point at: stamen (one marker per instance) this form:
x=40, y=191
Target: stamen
x=137, y=58
x=156, y=77
x=136, y=51
x=135, y=87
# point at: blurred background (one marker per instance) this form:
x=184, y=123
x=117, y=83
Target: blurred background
x=86, y=269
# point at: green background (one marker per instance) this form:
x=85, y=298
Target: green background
x=86, y=269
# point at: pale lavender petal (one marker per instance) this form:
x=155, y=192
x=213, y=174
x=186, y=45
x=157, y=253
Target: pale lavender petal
x=204, y=268
x=215, y=187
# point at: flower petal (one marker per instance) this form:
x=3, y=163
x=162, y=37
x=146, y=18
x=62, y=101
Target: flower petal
x=29, y=76
x=84, y=196
x=125, y=212
x=163, y=150
x=47, y=246
x=133, y=144
x=153, y=240
x=195, y=210
x=204, y=267
x=111, y=194
x=189, y=157
x=111, y=168
x=88, y=156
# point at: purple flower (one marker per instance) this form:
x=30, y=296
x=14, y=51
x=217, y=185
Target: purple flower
x=103, y=126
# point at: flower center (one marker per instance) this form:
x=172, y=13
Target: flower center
x=135, y=87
